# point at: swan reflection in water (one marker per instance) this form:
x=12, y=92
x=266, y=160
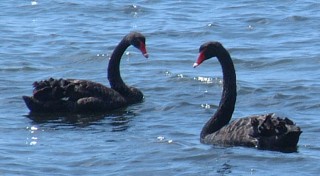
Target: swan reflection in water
x=119, y=119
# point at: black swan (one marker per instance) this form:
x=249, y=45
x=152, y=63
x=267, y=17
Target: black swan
x=267, y=132
x=73, y=95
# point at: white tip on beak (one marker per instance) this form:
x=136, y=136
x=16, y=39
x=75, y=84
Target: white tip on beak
x=195, y=65
x=146, y=55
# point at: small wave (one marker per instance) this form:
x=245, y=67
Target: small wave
x=296, y=18
x=265, y=63
x=24, y=68
x=259, y=20
x=162, y=139
x=134, y=10
x=209, y=80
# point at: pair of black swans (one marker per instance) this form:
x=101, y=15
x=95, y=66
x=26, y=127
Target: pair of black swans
x=267, y=132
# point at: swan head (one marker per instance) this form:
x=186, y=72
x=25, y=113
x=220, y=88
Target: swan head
x=209, y=50
x=137, y=40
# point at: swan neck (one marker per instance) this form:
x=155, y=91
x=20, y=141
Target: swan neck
x=114, y=75
x=228, y=99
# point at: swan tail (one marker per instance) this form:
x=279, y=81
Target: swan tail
x=30, y=102
x=50, y=95
x=277, y=133
x=36, y=106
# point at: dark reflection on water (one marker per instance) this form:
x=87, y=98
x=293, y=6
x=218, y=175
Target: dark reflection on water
x=275, y=48
x=225, y=169
x=119, y=120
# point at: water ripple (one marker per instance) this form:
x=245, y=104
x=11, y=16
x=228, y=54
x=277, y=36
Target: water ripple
x=274, y=46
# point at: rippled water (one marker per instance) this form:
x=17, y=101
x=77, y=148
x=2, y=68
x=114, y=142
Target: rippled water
x=275, y=47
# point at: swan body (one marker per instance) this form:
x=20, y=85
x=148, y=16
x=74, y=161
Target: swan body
x=268, y=131
x=73, y=95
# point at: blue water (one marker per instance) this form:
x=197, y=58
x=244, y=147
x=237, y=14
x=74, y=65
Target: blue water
x=275, y=47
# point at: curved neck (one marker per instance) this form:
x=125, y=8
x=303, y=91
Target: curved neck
x=114, y=76
x=229, y=93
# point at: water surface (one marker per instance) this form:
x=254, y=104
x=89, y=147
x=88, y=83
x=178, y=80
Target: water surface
x=275, y=47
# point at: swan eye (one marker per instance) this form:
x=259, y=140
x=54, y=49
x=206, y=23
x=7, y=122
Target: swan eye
x=202, y=48
x=136, y=43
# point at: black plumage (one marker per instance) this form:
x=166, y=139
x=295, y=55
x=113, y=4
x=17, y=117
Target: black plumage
x=73, y=95
x=268, y=131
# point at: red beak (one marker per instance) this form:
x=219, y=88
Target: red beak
x=200, y=59
x=143, y=50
